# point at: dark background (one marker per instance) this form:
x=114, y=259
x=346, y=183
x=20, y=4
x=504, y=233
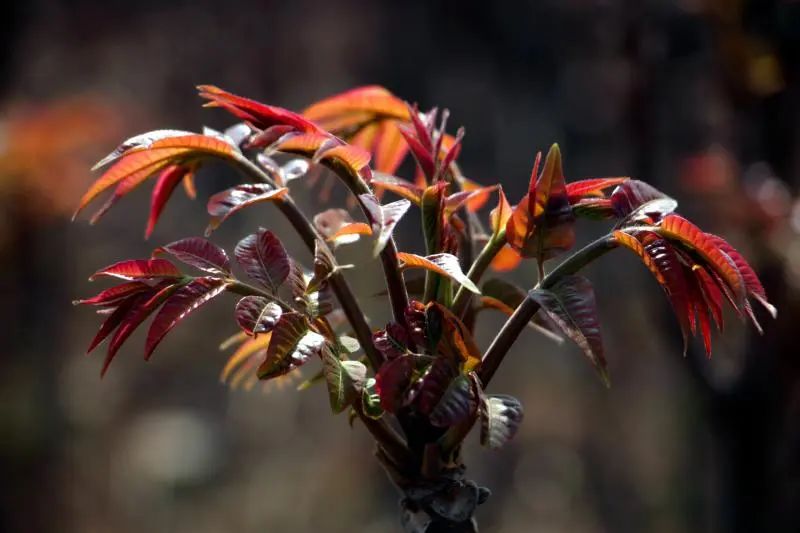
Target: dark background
x=699, y=97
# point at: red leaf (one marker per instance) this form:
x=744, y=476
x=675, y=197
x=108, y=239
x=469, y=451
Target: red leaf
x=224, y=204
x=690, y=236
x=199, y=253
x=634, y=195
x=374, y=101
x=260, y=115
x=712, y=295
x=662, y=261
x=392, y=381
x=116, y=317
x=542, y=224
x=264, y=259
x=749, y=276
x=428, y=390
x=144, y=305
x=116, y=294
x=167, y=180
x=577, y=190
x=179, y=305
x=139, y=269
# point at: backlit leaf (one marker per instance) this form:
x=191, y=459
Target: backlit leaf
x=256, y=314
x=345, y=380
x=384, y=218
x=443, y=264
x=501, y=417
x=225, y=203
x=632, y=195
x=264, y=259
x=679, y=229
x=592, y=187
x=132, y=269
x=166, y=182
x=115, y=295
x=179, y=305
x=199, y=253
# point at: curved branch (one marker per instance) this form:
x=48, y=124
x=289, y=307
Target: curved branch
x=525, y=311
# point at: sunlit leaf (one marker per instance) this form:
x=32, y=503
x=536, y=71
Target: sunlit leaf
x=506, y=260
x=542, y=224
x=631, y=195
x=662, y=261
x=179, y=305
x=399, y=186
x=592, y=187
x=199, y=253
x=139, y=269
x=679, y=229
x=115, y=295
x=501, y=417
x=291, y=345
x=257, y=314
x=442, y=264
x=384, y=218
x=370, y=400
x=333, y=112
x=141, y=141
x=500, y=214
x=264, y=259
x=225, y=203
x=166, y=182
x=345, y=380
x=571, y=305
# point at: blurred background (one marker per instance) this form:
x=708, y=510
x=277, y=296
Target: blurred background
x=699, y=97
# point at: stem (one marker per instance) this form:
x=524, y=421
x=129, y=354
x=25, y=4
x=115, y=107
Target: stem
x=478, y=268
x=395, y=285
x=340, y=287
x=524, y=313
x=245, y=289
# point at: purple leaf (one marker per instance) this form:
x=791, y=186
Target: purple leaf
x=199, y=253
x=264, y=259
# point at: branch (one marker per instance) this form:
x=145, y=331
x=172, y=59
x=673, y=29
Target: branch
x=477, y=269
x=525, y=311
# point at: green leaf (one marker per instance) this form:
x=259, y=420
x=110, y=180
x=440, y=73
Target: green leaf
x=501, y=416
x=345, y=379
x=370, y=400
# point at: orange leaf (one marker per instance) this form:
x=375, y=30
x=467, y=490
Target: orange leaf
x=443, y=264
x=507, y=259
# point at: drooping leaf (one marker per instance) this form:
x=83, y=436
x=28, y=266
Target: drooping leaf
x=384, y=218
x=241, y=365
x=661, y=260
x=166, y=182
x=711, y=293
x=501, y=416
x=133, y=269
x=392, y=380
x=199, y=253
x=456, y=404
x=179, y=305
x=115, y=295
x=633, y=195
x=144, y=305
x=291, y=345
x=256, y=314
x=753, y=285
x=345, y=380
x=264, y=259
x=224, y=204
x=679, y=229
x=116, y=317
x=571, y=305
x=442, y=264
